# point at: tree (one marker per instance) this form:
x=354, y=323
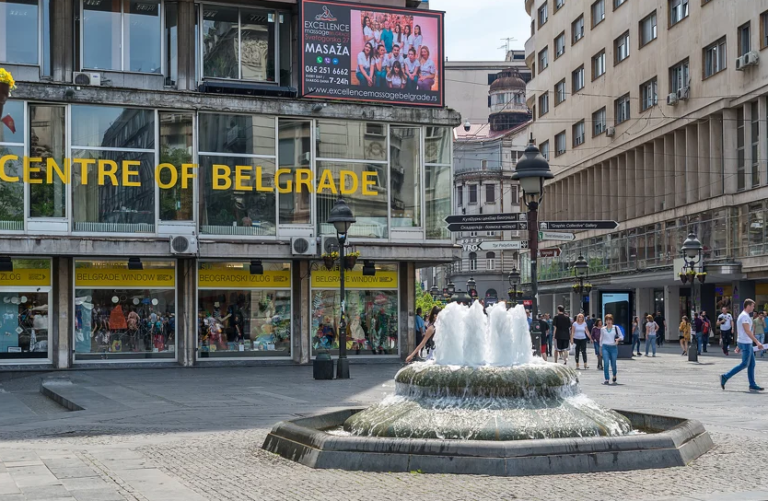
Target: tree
x=424, y=300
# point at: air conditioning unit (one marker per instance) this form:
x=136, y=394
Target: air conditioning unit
x=303, y=246
x=610, y=131
x=749, y=59
x=83, y=78
x=672, y=99
x=330, y=244
x=183, y=245
x=682, y=94
x=740, y=63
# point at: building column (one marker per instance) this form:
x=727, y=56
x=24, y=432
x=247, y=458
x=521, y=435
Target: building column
x=629, y=184
x=613, y=191
x=743, y=289
x=547, y=303
x=672, y=312
x=762, y=149
x=407, y=310
x=302, y=319
x=622, y=186
x=748, y=146
x=186, y=332
x=703, y=152
x=691, y=159
x=677, y=152
x=62, y=35
x=186, y=78
x=664, y=166
x=730, y=167
x=575, y=304
x=640, y=175
x=63, y=306
x=716, y=155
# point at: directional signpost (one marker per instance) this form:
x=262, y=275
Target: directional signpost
x=555, y=235
x=502, y=226
x=578, y=225
x=485, y=218
x=508, y=245
x=550, y=252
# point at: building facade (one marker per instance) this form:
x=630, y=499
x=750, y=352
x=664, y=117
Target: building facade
x=165, y=191
x=653, y=114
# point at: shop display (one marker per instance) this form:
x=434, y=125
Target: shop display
x=23, y=325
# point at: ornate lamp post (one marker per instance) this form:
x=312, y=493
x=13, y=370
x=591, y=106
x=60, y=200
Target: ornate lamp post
x=434, y=292
x=692, y=254
x=461, y=297
x=472, y=288
x=342, y=218
x=514, y=279
x=532, y=171
x=449, y=291
x=582, y=270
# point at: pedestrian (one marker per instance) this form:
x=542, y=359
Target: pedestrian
x=685, y=334
x=430, y=326
x=590, y=322
x=609, y=338
x=419, y=327
x=544, y=328
x=744, y=345
x=651, y=328
x=549, y=334
x=725, y=322
x=759, y=323
x=706, y=329
x=661, y=333
x=579, y=335
x=596, y=342
x=698, y=326
x=562, y=332
x=636, y=336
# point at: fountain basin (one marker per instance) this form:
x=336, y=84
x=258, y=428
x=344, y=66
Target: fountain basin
x=667, y=442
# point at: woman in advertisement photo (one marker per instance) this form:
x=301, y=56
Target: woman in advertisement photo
x=380, y=66
x=396, y=78
x=367, y=29
x=411, y=70
x=365, y=66
x=416, y=39
x=398, y=38
x=427, y=70
x=376, y=33
x=407, y=38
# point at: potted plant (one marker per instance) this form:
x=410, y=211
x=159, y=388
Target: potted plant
x=690, y=273
x=350, y=259
x=587, y=288
x=576, y=287
x=7, y=84
x=329, y=259
x=683, y=277
x=702, y=276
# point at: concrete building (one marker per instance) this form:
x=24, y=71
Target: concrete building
x=164, y=190
x=653, y=113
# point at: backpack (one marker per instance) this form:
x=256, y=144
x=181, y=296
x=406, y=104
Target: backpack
x=705, y=327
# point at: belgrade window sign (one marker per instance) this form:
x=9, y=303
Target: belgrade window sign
x=362, y=52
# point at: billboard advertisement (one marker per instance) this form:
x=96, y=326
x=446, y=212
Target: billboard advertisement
x=359, y=52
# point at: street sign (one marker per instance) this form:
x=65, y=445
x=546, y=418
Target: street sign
x=555, y=235
x=487, y=226
x=508, y=245
x=485, y=218
x=578, y=225
x=550, y=252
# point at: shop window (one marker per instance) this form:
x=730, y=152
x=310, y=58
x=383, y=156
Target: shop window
x=125, y=314
x=438, y=142
x=243, y=44
x=238, y=188
x=176, y=149
x=294, y=145
x=252, y=319
x=121, y=35
x=20, y=34
x=120, y=141
x=24, y=315
x=12, y=147
x=371, y=305
x=437, y=195
x=48, y=143
x=405, y=177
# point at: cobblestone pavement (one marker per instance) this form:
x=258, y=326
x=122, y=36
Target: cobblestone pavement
x=181, y=434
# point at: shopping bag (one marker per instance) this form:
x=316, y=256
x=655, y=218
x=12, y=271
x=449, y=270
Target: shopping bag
x=572, y=349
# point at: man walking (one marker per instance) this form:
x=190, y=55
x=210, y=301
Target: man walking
x=662, y=323
x=562, y=327
x=548, y=318
x=725, y=322
x=744, y=342
x=419, y=324
x=698, y=326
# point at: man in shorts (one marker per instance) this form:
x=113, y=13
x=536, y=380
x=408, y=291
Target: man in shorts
x=562, y=327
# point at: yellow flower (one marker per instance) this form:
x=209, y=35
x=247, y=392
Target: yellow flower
x=7, y=78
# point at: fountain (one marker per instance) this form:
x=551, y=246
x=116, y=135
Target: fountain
x=486, y=405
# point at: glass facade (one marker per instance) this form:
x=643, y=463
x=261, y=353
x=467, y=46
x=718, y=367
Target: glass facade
x=11, y=162
x=122, y=313
x=24, y=316
x=241, y=314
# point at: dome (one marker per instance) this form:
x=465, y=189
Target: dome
x=508, y=80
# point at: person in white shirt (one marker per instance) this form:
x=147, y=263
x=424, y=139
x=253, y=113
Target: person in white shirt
x=579, y=335
x=397, y=37
x=376, y=33
x=725, y=322
x=393, y=57
x=416, y=39
x=367, y=29
x=406, y=45
x=396, y=77
x=380, y=63
x=411, y=66
x=744, y=341
x=427, y=70
x=610, y=335
x=365, y=66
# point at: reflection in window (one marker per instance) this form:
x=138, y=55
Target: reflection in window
x=47, y=138
x=19, y=32
x=405, y=177
x=12, y=143
x=294, y=145
x=337, y=139
x=243, y=134
x=176, y=202
x=122, y=36
x=112, y=127
x=437, y=196
x=172, y=42
x=437, y=143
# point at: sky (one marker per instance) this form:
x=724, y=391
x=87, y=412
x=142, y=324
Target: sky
x=474, y=29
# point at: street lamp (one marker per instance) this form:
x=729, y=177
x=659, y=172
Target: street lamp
x=693, y=257
x=514, y=279
x=472, y=288
x=582, y=269
x=461, y=297
x=451, y=289
x=342, y=218
x=434, y=292
x=532, y=171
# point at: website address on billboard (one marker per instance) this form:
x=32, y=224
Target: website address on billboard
x=372, y=94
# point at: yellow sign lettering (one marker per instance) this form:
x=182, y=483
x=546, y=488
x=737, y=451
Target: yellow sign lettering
x=186, y=175
x=85, y=162
x=5, y=177
x=326, y=181
x=348, y=174
x=174, y=176
x=127, y=172
x=259, y=180
x=51, y=166
x=29, y=170
x=303, y=177
x=221, y=180
x=107, y=169
x=242, y=176
x=367, y=183
x=288, y=185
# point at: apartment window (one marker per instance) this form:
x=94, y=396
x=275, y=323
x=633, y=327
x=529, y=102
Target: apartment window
x=543, y=14
x=21, y=35
x=754, y=132
x=598, y=122
x=543, y=59
x=678, y=77
x=577, y=79
x=648, y=29
x=740, y=157
x=559, y=144
x=472, y=233
x=559, y=4
x=578, y=133
x=648, y=94
x=678, y=10
x=622, y=109
x=621, y=48
x=598, y=65
x=764, y=30
x=490, y=261
x=577, y=29
x=598, y=12
x=544, y=149
x=714, y=58
x=543, y=104
x=560, y=92
x=472, y=193
x=490, y=193
x=490, y=233
x=560, y=45
x=460, y=195
x=744, y=39
x=618, y=3
x=472, y=261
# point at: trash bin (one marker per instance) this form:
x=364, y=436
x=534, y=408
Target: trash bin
x=322, y=366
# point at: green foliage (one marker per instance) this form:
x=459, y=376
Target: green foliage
x=424, y=300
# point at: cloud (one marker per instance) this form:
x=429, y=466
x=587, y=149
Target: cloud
x=474, y=29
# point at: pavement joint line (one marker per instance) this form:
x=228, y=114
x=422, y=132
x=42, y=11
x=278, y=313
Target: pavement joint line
x=122, y=487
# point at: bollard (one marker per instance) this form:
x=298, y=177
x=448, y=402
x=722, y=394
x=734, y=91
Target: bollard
x=322, y=366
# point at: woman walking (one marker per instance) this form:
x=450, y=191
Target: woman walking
x=651, y=328
x=430, y=325
x=759, y=324
x=610, y=335
x=685, y=334
x=636, y=335
x=579, y=335
x=596, y=327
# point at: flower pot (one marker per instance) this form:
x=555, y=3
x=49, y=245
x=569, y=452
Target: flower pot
x=683, y=278
x=5, y=91
x=701, y=278
x=328, y=260
x=349, y=262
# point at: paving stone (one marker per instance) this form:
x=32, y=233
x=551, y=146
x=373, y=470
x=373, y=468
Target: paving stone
x=105, y=494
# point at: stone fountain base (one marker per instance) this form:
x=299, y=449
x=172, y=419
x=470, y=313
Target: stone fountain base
x=668, y=442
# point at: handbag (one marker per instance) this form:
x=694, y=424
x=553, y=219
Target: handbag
x=572, y=349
